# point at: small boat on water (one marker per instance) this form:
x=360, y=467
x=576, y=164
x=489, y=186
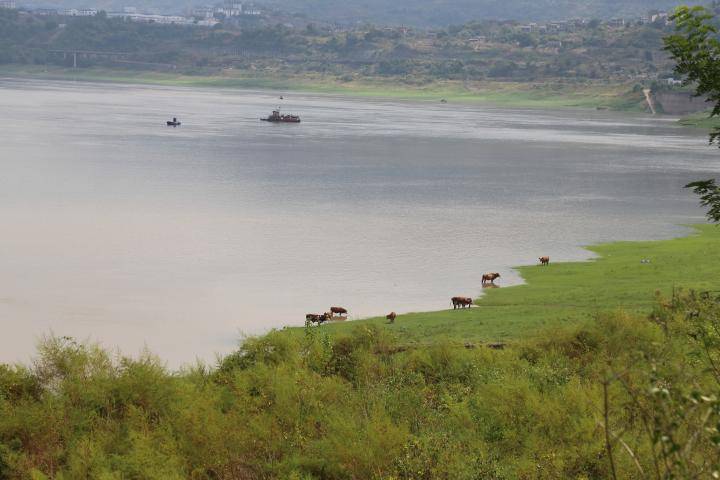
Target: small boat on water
x=278, y=118
x=173, y=123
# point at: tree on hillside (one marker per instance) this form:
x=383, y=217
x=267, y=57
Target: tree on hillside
x=696, y=48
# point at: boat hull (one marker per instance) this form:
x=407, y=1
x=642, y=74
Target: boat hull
x=280, y=120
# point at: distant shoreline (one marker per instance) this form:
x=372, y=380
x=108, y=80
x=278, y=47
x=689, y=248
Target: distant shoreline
x=580, y=95
x=603, y=96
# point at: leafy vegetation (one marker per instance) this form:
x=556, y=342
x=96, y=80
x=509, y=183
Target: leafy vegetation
x=696, y=49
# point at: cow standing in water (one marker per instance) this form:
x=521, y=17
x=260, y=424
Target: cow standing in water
x=490, y=277
x=461, y=302
x=391, y=317
x=544, y=260
x=338, y=311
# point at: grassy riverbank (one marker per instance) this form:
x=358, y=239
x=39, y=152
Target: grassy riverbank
x=560, y=94
x=701, y=120
x=568, y=293
x=571, y=396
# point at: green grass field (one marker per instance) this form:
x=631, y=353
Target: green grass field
x=564, y=293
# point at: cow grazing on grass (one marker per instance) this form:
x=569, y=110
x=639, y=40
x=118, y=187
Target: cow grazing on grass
x=338, y=311
x=461, y=302
x=544, y=260
x=490, y=277
x=391, y=317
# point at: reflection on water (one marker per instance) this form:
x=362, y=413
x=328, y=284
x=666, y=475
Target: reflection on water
x=118, y=228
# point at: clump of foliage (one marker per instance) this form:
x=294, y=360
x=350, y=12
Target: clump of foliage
x=623, y=396
x=696, y=49
x=709, y=194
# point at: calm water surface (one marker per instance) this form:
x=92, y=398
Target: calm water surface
x=118, y=229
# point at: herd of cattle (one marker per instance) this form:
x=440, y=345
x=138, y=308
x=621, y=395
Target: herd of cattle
x=457, y=302
x=324, y=317
x=341, y=312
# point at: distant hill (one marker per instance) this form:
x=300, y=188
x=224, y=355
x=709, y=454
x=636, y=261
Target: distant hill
x=408, y=12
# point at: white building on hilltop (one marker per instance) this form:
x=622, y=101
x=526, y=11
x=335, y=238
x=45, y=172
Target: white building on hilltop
x=8, y=4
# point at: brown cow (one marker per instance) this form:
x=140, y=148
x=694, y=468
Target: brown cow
x=461, y=302
x=490, y=277
x=544, y=260
x=391, y=317
x=338, y=311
